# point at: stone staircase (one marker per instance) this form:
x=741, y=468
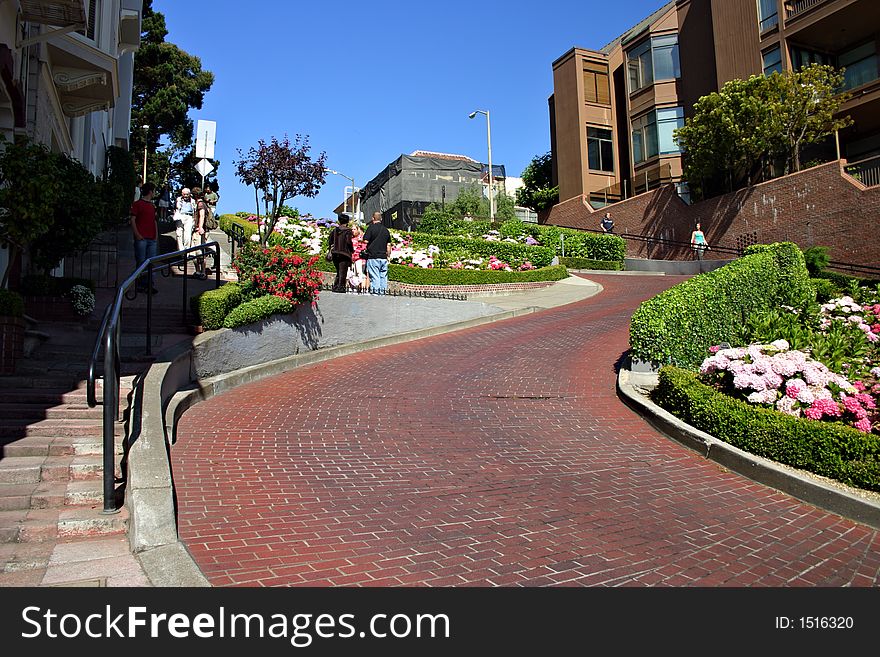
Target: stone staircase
x=51, y=447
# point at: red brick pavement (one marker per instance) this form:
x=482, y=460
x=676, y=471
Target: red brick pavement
x=494, y=456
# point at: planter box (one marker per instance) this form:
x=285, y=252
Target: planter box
x=11, y=342
x=58, y=309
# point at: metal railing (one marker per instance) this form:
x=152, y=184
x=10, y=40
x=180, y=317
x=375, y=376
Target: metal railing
x=389, y=292
x=109, y=336
x=795, y=7
x=236, y=237
x=866, y=171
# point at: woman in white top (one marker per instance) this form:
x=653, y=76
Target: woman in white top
x=184, y=213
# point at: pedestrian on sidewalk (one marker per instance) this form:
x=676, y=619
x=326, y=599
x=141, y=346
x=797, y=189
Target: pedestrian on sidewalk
x=698, y=242
x=145, y=233
x=607, y=223
x=357, y=275
x=184, y=211
x=341, y=248
x=378, y=251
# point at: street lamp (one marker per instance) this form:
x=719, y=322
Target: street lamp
x=146, y=137
x=491, y=171
x=344, y=199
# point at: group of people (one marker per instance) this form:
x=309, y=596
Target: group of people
x=360, y=259
x=191, y=210
x=698, y=239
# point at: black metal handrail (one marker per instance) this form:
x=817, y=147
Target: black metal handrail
x=109, y=336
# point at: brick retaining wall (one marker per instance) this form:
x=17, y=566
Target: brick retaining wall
x=819, y=206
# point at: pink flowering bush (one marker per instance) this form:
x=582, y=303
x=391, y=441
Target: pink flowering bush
x=790, y=381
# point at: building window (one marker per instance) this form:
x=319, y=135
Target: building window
x=89, y=32
x=773, y=61
x=596, y=88
x=860, y=64
x=801, y=57
x=600, y=151
x=655, y=59
x=768, y=14
x=652, y=134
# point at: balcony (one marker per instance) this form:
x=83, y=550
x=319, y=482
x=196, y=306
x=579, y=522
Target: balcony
x=796, y=7
x=59, y=13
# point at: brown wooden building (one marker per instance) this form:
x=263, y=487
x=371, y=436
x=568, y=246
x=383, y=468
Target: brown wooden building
x=613, y=110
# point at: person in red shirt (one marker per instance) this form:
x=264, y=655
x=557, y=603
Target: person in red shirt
x=144, y=231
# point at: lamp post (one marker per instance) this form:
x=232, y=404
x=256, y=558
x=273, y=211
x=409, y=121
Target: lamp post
x=491, y=171
x=146, y=137
x=344, y=199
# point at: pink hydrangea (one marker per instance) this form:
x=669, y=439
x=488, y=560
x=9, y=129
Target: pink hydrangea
x=864, y=425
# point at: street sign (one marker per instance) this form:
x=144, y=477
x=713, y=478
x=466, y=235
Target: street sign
x=206, y=135
x=204, y=167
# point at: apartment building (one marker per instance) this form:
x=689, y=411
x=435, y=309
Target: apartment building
x=613, y=110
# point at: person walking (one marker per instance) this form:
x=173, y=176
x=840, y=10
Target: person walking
x=357, y=275
x=200, y=233
x=145, y=233
x=341, y=248
x=211, y=196
x=184, y=211
x=378, y=239
x=698, y=242
x=607, y=223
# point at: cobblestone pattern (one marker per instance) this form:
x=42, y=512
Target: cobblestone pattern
x=495, y=456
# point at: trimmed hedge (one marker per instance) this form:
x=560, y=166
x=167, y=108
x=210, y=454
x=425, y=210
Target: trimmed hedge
x=225, y=221
x=257, y=309
x=419, y=276
x=539, y=256
x=586, y=263
x=212, y=306
x=11, y=304
x=830, y=449
x=679, y=325
x=41, y=285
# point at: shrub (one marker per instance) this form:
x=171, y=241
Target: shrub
x=586, y=263
x=816, y=259
x=825, y=289
x=257, y=309
x=679, y=325
x=277, y=270
x=11, y=304
x=42, y=285
x=82, y=299
x=828, y=449
x=212, y=306
x=419, y=276
x=225, y=222
x=515, y=254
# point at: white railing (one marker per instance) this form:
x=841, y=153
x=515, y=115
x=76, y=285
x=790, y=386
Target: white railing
x=795, y=7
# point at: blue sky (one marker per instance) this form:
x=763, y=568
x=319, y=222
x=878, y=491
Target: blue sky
x=367, y=81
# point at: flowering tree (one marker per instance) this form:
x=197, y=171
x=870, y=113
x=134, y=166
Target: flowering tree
x=280, y=171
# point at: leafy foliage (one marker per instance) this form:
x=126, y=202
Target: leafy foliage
x=11, y=304
x=737, y=134
x=470, y=202
x=277, y=270
x=816, y=258
x=420, y=276
x=82, y=299
x=212, y=306
x=256, y=310
x=538, y=191
x=281, y=171
x=680, y=324
x=828, y=449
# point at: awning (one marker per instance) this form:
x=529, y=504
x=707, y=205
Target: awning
x=86, y=78
x=60, y=13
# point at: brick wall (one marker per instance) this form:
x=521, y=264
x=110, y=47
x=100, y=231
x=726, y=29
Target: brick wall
x=819, y=206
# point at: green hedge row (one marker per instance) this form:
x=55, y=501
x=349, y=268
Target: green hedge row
x=225, y=222
x=679, y=325
x=830, y=449
x=575, y=243
x=586, y=263
x=256, y=310
x=539, y=256
x=212, y=306
x=11, y=304
x=419, y=276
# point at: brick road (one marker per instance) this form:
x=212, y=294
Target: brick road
x=494, y=456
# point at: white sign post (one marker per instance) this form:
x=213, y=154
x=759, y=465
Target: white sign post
x=206, y=136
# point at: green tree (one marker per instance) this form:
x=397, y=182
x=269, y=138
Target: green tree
x=538, y=191
x=168, y=82
x=29, y=186
x=737, y=133
x=470, y=202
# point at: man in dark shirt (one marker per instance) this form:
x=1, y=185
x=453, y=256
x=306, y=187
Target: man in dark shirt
x=378, y=250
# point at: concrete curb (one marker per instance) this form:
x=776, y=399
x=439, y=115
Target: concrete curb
x=809, y=488
x=160, y=399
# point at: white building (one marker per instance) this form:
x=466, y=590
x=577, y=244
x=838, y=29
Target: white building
x=66, y=72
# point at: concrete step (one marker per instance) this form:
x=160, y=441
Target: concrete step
x=45, y=495
x=11, y=428
x=34, y=469
x=58, y=446
x=39, y=525
x=36, y=411
x=54, y=381
x=20, y=558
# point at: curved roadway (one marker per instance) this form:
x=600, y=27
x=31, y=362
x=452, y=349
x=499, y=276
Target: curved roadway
x=498, y=455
